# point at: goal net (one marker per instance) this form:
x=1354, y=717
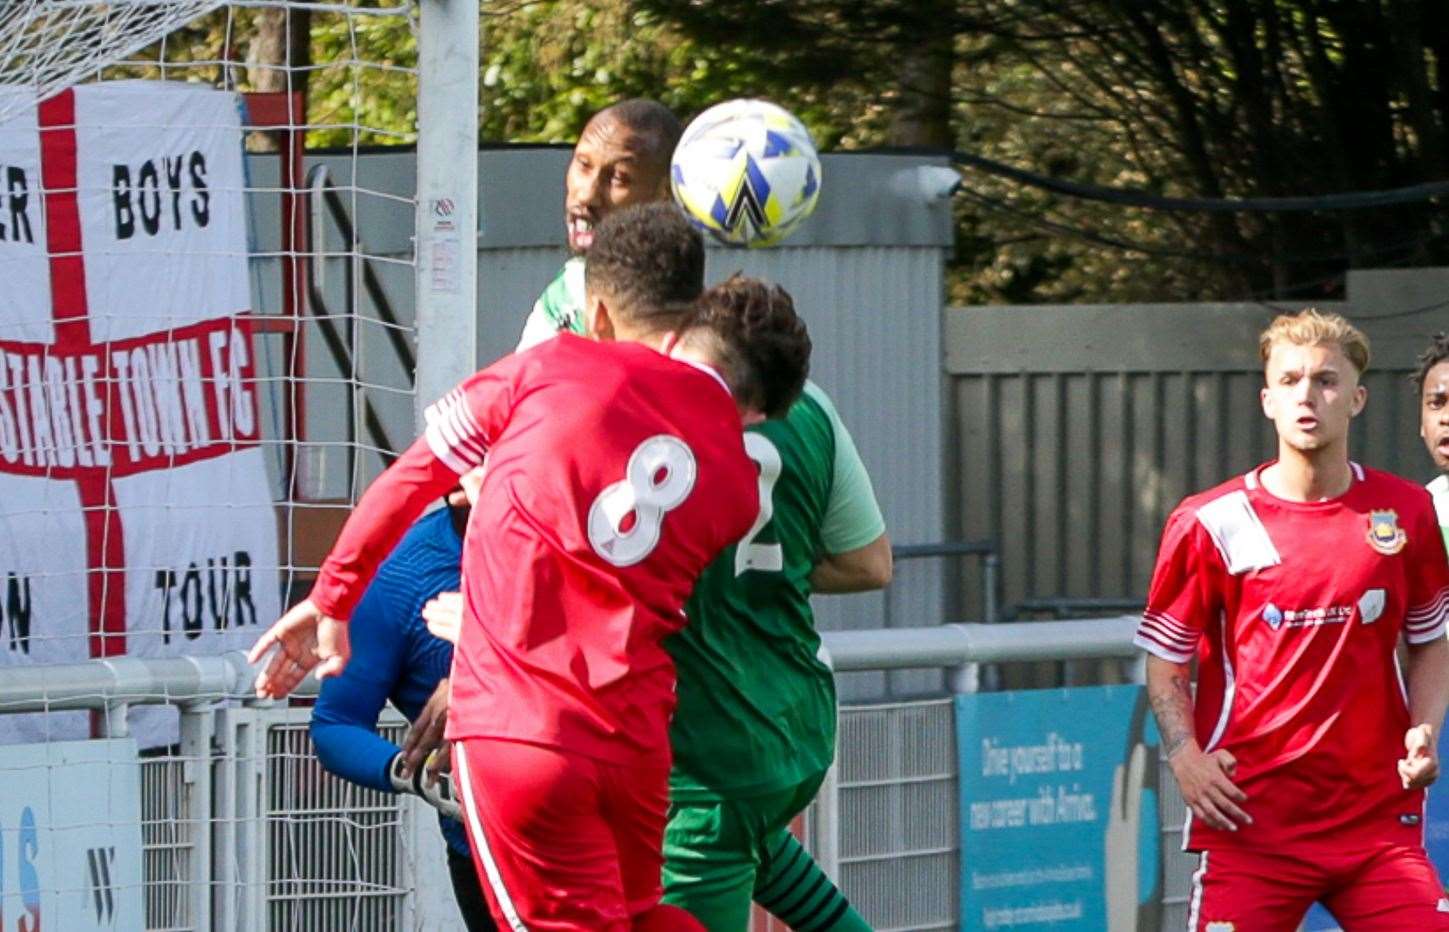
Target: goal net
x=46, y=45
x=207, y=214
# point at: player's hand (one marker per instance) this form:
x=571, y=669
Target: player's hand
x=426, y=735
x=472, y=483
x=1420, y=766
x=305, y=640
x=444, y=615
x=1207, y=787
x=440, y=763
x=438, y=792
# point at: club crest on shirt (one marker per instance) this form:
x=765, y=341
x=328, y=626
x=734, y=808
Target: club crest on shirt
x=1384, y=533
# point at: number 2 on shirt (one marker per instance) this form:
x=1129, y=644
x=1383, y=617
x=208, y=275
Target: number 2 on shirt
x=750, y=555
x=658, y=478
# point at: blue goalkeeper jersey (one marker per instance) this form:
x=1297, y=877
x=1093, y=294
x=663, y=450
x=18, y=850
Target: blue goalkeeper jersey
x=394, y=659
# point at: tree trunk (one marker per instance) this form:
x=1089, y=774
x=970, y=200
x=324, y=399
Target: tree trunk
x=278, y=58
x=922, y=114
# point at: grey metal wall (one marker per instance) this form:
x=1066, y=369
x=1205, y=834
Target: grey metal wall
x=1076, y=429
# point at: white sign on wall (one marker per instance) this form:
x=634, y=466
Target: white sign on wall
x=70, y=836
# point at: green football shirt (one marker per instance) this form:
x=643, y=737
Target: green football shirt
x=756, y=703
x=1439, y=489
x=559, y=308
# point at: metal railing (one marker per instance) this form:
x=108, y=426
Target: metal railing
x=982, y=550
x=243, y=789
x=115, y=684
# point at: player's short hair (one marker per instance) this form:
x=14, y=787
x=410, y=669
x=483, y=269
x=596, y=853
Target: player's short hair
x=1312, y=327
x=650, y=261
x=655, y=125
x=1435, y=353
x=763, y=345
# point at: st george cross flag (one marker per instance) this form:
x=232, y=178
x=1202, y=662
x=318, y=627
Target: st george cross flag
x=136, y=516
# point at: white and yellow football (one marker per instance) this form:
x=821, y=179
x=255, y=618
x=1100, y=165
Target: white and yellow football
x=746, y=172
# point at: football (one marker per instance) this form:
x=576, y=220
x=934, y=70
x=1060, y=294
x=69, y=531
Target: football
x=746, y=172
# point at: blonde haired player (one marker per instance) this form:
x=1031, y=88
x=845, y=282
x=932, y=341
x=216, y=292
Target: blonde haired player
x=1302, y=757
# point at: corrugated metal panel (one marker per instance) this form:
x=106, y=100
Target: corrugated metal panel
x=874, y=317
x=1080, y=428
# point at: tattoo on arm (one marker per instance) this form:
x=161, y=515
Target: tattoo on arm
x=1172, y=705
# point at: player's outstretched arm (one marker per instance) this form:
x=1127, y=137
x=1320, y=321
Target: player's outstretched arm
x=305, y=639
x=313, y=633
x=1428, y=683
x=1205, y=779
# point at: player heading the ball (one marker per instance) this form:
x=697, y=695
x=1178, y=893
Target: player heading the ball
x=616, y=472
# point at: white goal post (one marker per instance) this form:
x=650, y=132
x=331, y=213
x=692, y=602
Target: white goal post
x=447, y=224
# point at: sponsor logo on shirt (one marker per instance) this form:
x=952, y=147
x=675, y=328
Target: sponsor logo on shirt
x=1222, y=927
x=1443, y=906
x=1384, y=533
x=1371, y=606
x=1410, y=818
x=1306, y=617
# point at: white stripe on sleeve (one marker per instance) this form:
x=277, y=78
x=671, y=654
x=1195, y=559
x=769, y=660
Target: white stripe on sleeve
x=452, y=432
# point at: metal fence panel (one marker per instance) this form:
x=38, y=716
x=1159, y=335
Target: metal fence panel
x=169, y=842
x=336, y=854
x=899, y=835
x=1078, y=428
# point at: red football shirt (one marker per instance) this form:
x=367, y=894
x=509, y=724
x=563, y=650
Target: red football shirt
x=615, y=474
x=1294, y=611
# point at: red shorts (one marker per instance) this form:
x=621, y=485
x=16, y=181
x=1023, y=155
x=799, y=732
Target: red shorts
x=563, y=841
x=1383, y=887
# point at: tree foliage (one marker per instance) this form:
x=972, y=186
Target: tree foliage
x=1192, y=98
x=1207, y=98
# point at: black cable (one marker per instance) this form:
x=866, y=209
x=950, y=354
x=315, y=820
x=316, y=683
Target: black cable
x=1353, y=200
x=1391, y=315
x=1053, y=226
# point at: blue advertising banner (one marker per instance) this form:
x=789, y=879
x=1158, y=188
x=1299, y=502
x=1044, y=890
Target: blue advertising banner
x=1059, y=824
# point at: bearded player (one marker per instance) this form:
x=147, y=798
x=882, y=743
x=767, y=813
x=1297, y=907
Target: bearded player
x=621, y=160
x=1304, y=755
x=1432, y=380
x=616, y=471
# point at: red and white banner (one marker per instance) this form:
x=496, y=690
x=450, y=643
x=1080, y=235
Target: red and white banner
x=135, y=512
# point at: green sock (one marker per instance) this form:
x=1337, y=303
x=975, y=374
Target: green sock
x=796, y=891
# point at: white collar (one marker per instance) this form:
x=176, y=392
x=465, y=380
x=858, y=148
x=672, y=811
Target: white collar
x=709, y=370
